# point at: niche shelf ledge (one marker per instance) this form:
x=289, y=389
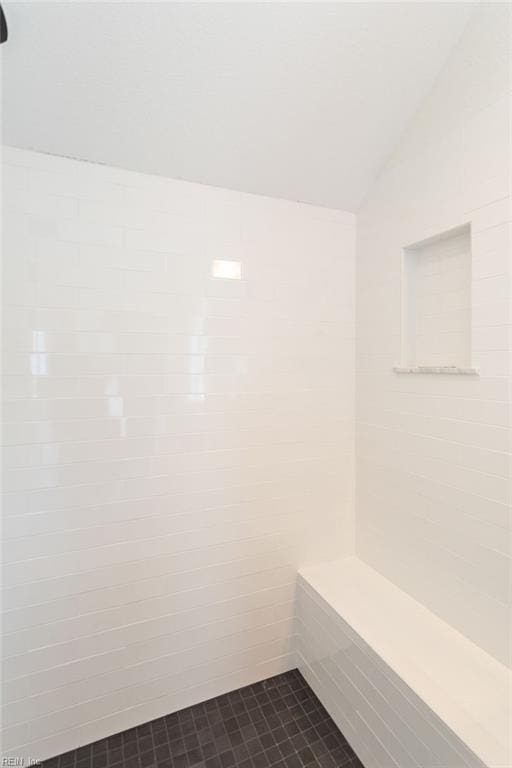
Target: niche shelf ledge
x=451, y=370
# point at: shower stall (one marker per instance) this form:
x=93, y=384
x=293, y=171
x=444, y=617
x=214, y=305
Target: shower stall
x=257, y=349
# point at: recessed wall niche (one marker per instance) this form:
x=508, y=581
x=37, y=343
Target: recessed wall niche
x=436, y=311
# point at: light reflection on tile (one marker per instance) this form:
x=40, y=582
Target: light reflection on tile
x=39, y=364
x=38, y=341
x=115, y=407
x=227, y=270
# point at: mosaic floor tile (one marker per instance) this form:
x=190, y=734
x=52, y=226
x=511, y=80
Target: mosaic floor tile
x=277, y=723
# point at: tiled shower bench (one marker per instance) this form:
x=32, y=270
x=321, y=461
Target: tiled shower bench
x=405, y=688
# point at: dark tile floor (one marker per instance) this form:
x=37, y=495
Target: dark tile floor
x=278, y=722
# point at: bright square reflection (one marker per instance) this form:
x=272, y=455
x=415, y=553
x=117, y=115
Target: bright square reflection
x=228, y=270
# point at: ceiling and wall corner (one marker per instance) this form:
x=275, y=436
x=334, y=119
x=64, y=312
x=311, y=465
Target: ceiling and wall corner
x=296, y=100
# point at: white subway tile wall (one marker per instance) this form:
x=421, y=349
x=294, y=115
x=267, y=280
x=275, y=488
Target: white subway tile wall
x=179, y=386
x=434, y=452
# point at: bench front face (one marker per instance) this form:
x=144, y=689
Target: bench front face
x=384, y=720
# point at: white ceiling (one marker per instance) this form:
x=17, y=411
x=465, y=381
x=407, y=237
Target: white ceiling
x=296, y=100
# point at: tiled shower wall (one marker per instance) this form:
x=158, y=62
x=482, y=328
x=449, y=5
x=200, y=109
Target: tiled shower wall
x=176, y=444
x=433, y=452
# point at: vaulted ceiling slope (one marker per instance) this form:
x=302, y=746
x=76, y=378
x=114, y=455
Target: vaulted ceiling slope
x=296, y=100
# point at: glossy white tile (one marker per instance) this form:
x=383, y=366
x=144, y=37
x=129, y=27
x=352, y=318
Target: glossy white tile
x=179, y=387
